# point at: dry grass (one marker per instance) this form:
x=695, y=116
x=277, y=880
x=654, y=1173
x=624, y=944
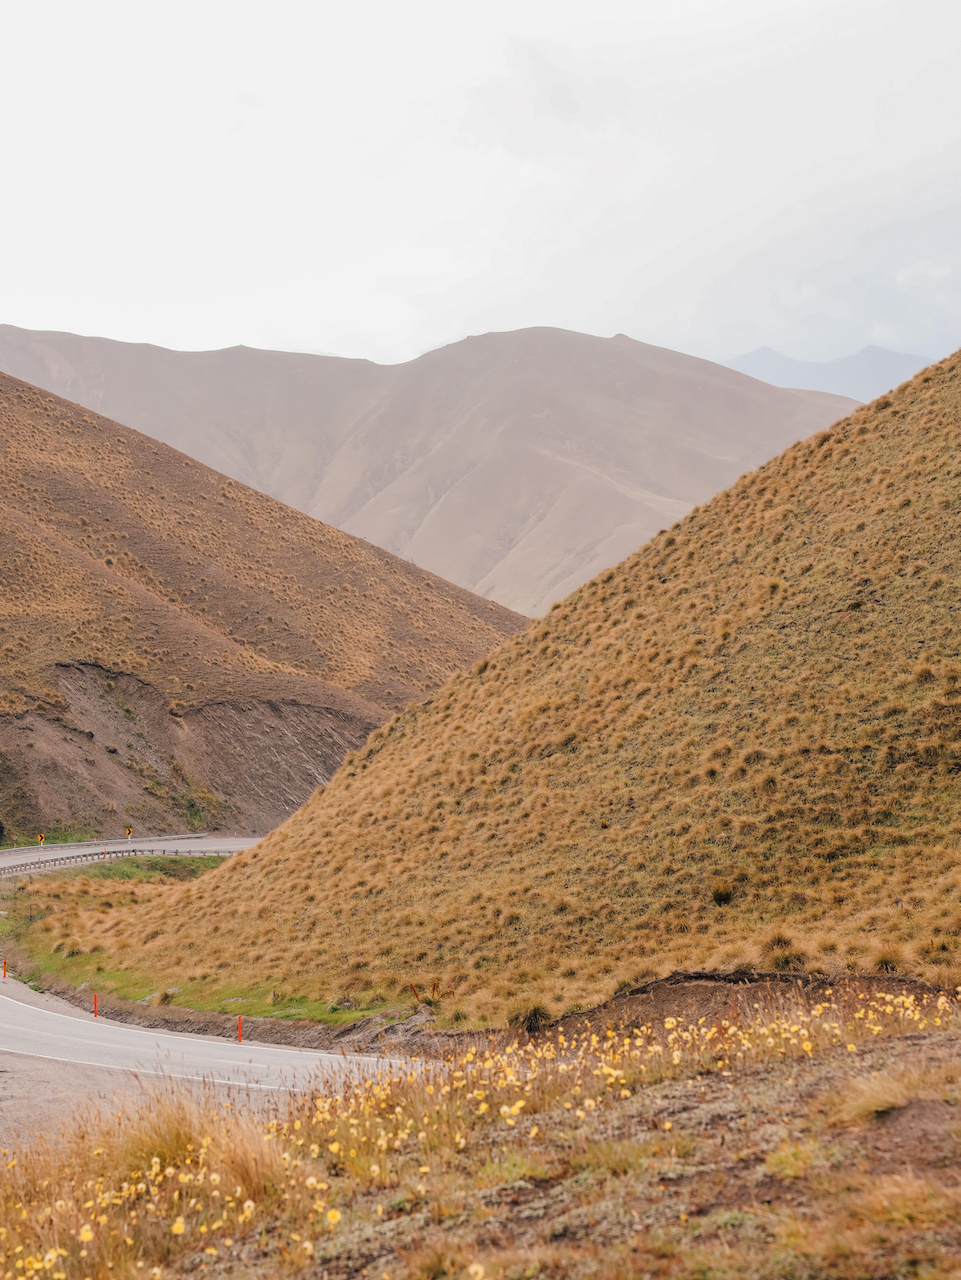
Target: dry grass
x=407, y=1165
x=876, y=1095
x=739, y=746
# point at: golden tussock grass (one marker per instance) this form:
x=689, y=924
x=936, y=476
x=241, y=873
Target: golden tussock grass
x=741, y=745
x=881, y=1092
x=393, y=1162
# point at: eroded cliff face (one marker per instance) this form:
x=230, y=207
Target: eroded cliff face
x=111, y=754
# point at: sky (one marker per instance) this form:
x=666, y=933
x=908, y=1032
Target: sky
x=378, y=180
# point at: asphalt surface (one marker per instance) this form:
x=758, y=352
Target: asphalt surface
x=114, y=1046
x=55, y=1060
x=37, y=856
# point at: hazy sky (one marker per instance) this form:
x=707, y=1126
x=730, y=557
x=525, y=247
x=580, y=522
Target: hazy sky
x=378, y=179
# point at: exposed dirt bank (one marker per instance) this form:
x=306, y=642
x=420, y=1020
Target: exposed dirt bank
x=686, y=995
x=113, y=754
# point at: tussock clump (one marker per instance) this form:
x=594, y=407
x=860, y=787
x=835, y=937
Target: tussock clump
x=865, y=1098
x=763, y=699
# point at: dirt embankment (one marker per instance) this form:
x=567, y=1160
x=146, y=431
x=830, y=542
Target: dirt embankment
x=688, y=996
x=112, y=754
x=691, y=995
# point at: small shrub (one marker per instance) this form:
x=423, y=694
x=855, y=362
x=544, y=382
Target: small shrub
x=529, y=1020
x=889, y=960
x=791, y=1159
x=617, y=1158
x=783, y=961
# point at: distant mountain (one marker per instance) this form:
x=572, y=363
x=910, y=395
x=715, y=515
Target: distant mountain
x=184, y=647
x=517, y=465
x=863, y=376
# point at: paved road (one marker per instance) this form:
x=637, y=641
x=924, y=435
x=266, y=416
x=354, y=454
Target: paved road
x=190, y=844
x=114, y=1047
x=57, y=1061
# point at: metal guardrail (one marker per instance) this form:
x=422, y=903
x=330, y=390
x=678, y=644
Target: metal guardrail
x=98, y=844
x=73, y=859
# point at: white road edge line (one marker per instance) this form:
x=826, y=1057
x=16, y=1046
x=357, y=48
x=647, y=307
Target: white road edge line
x=178, y=1036
x=145, y=1071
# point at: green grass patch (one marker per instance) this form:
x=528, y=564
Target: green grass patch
x=262, y=1004
x=54, y=835
x=30, y=908
x=153, y=867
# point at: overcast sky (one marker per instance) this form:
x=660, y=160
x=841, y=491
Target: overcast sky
x=379, y=179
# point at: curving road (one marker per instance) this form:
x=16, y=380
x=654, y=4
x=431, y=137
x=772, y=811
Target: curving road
x=113, y=1046
x=54, y=1057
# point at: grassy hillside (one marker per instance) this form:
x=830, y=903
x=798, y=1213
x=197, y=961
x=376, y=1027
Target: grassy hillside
x=740, y=745
x=143, y=593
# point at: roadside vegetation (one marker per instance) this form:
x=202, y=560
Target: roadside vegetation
x=150, y=868
x=59, y=896
x=770, y=1145
x=54, y=835
x=738, y=747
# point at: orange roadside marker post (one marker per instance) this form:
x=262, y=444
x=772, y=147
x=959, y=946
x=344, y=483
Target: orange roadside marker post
x=95, y=1004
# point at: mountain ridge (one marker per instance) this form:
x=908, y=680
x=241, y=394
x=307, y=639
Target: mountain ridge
x=864, y=376
x=515, y=464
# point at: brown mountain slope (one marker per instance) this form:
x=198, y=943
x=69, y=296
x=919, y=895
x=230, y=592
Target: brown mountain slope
x=516, y=464
x=740, y=745
x=177, y=646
